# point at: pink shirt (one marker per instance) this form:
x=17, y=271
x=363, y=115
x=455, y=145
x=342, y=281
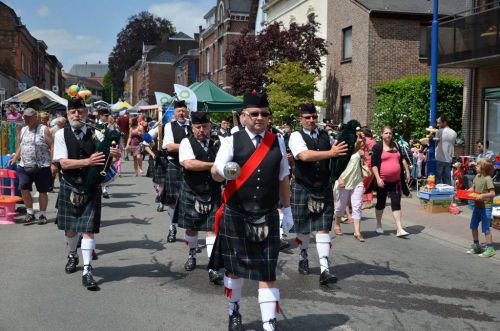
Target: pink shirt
x=390, y=170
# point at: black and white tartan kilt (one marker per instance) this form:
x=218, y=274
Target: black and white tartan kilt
x=305, y=221
x=187, y=217
x=239, y=256
x=73, y=219
x=159, y=172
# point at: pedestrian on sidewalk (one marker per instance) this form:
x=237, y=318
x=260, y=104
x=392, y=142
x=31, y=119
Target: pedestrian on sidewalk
x=367, y=149
x=133, y=144
x=445, y=147
x=389, y=168
x=483, y=184
x=124, y=125
x=34, y=150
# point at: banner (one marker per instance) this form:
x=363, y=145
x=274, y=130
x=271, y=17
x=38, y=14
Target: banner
x=162, y=98
x=186, y=94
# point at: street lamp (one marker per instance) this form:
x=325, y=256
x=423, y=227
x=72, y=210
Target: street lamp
x=431, y=162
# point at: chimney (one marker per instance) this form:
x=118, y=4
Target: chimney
x=197, y=37
x=99, y=61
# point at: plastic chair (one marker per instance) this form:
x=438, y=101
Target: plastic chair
x=8, y=202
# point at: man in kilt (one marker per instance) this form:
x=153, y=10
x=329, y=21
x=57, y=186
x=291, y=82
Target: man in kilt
x=312, y=195
x=248, y=240
x=77, y=210
x=173, y=133
x=200, y=195
x=160, y=163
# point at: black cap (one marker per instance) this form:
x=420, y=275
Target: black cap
x=75, y=103
x=180, y=103
x=103, y=110
x=200, y=117
x=307, y=108
x=255, y=99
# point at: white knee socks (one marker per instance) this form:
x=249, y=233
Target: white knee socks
x=232, y=289
x=269, y=305
x=323, y=247
x=88, y=245
x=210, y=241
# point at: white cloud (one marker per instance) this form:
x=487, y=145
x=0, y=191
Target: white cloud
x=186, y=17
x=43, y=11
x=73, y=48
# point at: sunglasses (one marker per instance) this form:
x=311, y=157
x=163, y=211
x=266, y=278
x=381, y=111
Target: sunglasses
x=256, y=114
x=314, y=117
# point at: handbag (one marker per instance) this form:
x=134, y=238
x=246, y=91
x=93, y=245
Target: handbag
x=364, y=169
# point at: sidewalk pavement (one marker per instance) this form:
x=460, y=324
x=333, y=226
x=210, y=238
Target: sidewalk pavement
x=445, y=227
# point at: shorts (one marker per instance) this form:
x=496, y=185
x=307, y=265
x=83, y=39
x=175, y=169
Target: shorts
x=43, y=180
x=482, y=215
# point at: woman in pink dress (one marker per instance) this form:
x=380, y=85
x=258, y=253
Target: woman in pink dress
x=133, y=144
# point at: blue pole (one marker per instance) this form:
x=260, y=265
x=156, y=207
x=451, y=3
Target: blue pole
x=431, y=162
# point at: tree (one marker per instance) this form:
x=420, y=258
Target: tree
x=143, y=28
x=252, y=56
x=290, y=85
x=108, y=87
x=404, y=104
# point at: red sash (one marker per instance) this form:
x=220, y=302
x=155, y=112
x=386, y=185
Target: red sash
x=246, y=171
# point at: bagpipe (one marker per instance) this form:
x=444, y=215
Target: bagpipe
x=99, y=174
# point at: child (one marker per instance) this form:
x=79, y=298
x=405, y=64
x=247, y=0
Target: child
x=483, y=183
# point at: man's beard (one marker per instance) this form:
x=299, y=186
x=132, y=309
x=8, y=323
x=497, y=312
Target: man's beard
x=75, y=124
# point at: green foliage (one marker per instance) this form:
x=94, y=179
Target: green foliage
x=291, y=84
x=107, y=87
x=404, y=104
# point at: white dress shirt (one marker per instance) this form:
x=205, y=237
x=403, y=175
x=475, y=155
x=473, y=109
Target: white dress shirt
x=186, y=150
x=297, y=144
x=60, y=149
x=225, y=154
x=168, y=135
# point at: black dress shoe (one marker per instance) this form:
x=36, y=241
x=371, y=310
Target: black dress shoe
x=304, y=267
x=157, y=199
x=215, y=277
x=327, y=278
x=172, y=235
x=190, y=264
x=235, y=320
x=273, y=323
x=160, y=208
x=284, y=244
x=88, y=281
x=105, y=195
x=71, y=265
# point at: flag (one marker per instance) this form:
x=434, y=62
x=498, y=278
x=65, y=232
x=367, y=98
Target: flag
x=186, y=94
x=162, y=98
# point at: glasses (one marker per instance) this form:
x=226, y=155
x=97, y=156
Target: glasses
x=314, y=117
x=256, y=114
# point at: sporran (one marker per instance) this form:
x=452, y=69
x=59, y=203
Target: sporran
x=256, y=230
x=316, y=203
x=203, y=204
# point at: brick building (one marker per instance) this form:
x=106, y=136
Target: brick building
x=470, y=40
x=223, y=25
x=372, y=41
x=24, y=58
x=187, y=68
x=155, y=71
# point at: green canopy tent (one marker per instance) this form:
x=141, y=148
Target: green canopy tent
x=212, y=98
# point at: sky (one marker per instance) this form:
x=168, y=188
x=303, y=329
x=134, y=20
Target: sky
x=85, y=31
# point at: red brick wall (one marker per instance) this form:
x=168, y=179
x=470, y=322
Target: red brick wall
x=161, y=77
x=8, y=40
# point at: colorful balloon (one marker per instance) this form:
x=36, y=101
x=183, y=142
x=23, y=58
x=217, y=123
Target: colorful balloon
x=73, y=90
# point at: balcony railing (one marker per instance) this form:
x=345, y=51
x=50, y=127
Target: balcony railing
x=470, y=40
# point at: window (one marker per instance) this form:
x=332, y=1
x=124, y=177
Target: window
x=92, y=74
x=22, y=62
x=347, y=44
x=424, y=46
x=221, y=54
x=221, y=13
x=208, y=60
x=346, y=108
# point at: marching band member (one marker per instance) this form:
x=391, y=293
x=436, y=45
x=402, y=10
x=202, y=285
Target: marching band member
x=174, y=132
x=200, y=195
x=248, y=233
x=224, y=131
x=78, y=211
x=312, y=195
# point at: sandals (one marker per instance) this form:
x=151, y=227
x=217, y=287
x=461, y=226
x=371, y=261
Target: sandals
x=338, y=231
x=359, y=238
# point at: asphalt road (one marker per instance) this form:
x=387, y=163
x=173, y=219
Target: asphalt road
x=386, y=283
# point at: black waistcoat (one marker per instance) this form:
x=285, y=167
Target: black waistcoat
x=77, y=150
x=179, y=133
x=260, y=193
x=201, y=182
x=314, y=174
